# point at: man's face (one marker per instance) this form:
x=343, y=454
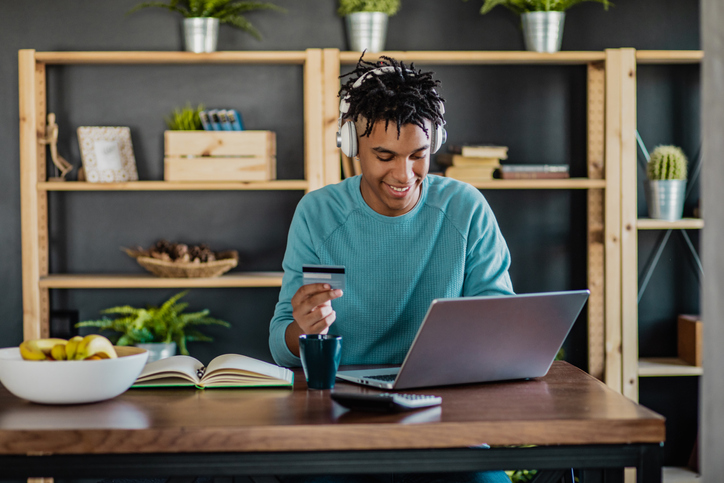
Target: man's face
x=392, y=168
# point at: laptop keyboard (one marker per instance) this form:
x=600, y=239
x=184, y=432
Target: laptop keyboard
x=383, y=377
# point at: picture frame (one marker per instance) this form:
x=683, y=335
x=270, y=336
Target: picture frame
x=107, y=154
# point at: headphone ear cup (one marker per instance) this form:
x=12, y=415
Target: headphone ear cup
x=437, y=138
x=348, y=134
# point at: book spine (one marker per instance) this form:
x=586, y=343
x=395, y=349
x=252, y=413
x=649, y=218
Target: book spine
x=237, y=123
x=204, y=116
x=533, y=175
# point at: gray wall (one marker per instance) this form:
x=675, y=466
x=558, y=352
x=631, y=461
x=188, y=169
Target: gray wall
x=538, y=111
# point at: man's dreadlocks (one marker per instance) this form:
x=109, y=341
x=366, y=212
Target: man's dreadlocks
x=403, y=95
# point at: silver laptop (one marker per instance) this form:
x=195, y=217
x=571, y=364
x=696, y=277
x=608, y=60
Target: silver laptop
x=481, y=339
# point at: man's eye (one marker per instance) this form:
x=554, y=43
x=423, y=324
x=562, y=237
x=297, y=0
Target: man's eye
x=384, y=159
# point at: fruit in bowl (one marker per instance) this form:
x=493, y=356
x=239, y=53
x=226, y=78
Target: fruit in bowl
x=90, y=347
x=81, y=370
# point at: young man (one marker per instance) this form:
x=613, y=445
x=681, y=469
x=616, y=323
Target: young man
x=404, y=237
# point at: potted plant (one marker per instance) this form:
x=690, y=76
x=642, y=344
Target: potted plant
x=160, y=330
x=366, y=22
x=542, y=20
x=202, y=18
x=185, y=119
x=666, y=184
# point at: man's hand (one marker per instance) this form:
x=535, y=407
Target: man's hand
x=312, y=311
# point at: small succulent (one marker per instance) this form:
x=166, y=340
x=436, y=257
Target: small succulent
x=185, y=119
x=390, y=7
x=227, y=11
x=666, y=162
x=526, y=6
x=166, y=323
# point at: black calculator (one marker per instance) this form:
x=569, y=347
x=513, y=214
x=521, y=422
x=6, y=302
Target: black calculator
x=386, y=401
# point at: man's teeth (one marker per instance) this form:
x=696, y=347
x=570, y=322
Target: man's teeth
x=399, y=190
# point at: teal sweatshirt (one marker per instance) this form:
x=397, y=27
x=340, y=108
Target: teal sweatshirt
x=448, y=245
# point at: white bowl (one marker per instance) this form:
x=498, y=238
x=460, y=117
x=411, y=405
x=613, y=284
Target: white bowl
x=70, y=382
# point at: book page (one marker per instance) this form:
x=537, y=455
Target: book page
x=184, y=367
x=252, y=369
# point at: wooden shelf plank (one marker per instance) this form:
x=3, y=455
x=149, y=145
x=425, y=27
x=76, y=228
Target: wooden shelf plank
x=541, y=184
x=291, y=184
x=233, y=279
x=666, y=366
x=226, y=57
x=482, y=57
x=669, y=56
x=683, y=224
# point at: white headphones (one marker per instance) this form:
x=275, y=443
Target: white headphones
x=347, y=132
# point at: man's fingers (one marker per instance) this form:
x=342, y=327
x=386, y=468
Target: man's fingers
x=306, y=291
x=322, y=298
x=322, y=326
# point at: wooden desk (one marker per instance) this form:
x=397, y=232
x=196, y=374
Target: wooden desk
x=575, y=420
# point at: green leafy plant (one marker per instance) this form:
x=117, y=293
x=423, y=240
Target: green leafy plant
x=521, y=476
x=166, y=323
x=227, y=11
x=525, y=6
x=185, y=119
x=666, y=162
x=390, y=7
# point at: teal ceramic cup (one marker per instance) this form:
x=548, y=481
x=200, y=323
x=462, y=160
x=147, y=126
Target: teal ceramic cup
x=320, y=354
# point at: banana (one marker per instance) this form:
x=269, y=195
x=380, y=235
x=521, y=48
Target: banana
x=71, y=347
x=39, y=349
x=95, y=345
x=58, y=352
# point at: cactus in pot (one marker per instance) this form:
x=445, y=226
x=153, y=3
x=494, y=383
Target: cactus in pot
x=666, y=162
x=666, y=185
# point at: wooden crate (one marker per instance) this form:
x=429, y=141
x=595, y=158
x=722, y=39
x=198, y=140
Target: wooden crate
x=690, y=339
x=219, y=156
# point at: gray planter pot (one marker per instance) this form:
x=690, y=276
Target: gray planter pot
x=201, y=34
x=665, y=199
x=158, y=350
x=367, y=31
x=543, y=31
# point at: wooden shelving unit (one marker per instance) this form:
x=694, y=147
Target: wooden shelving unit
x=624, y=359
x=631, y=366
x=37, y=281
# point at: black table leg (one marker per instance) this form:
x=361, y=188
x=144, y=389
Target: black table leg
x=650, y=463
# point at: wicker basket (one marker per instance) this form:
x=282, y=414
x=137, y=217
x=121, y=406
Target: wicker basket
x=163, y=268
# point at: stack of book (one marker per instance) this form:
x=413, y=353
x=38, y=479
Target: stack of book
x=534, y=171
x=472, y=163
x=221, y=120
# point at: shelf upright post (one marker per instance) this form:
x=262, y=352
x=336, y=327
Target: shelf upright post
x=332, y=162
x=629, y=230
x=596, y=202
x=612, y=225
x=313, y=106
x=33, y=203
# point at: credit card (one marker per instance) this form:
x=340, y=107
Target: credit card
x=331, y=274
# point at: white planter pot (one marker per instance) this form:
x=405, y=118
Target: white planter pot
x=367, y=31
x=158, y=350
x=201, y=34
x=543, y=31
x=665, y=199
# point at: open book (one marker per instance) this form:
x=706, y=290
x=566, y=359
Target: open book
x=228, y=370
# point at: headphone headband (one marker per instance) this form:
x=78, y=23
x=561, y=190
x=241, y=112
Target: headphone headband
x=346, y=131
